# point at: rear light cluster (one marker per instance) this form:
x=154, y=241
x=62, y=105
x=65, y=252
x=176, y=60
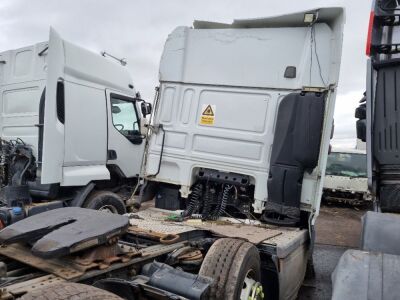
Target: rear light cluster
x=369, y=35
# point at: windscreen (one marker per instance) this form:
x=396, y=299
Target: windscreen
x=347, y=164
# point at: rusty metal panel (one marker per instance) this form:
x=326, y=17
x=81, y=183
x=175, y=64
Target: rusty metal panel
x=52, y=266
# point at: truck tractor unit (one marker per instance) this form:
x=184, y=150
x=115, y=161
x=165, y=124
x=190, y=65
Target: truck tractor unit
x=70, y=126
x=234, y=154
x=243, y=117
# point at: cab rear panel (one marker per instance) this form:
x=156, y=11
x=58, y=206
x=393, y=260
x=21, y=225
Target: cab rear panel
x=224, y=91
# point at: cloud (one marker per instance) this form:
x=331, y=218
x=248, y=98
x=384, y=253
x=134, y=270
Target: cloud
x=138, y=29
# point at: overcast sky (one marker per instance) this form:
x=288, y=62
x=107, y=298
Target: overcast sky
x=137, y=30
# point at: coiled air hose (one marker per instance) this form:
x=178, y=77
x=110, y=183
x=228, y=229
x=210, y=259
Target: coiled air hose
x=194, y=198
x=220, y=209
x=224, y=199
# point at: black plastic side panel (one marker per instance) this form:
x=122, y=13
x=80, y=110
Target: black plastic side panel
x=295, y=149
x=43, y=191
x=389, y=197
x=386, y=137
x=168, y=197
x=308, y=129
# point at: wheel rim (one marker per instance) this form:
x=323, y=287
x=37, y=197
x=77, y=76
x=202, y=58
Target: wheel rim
x=109, y=209
x=251, y=289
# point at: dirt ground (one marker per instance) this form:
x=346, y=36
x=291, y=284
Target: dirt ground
x=338, y=228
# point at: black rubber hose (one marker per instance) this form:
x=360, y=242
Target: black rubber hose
x=161, y=153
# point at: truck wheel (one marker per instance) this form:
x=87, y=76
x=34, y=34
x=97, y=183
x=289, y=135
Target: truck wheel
x=235, y=267
x=69, y=291
x=106, y=201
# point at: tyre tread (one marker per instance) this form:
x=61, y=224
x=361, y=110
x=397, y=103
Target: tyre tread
x=69, y=291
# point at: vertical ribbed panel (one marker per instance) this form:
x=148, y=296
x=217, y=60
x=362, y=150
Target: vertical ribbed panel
x=387, y=116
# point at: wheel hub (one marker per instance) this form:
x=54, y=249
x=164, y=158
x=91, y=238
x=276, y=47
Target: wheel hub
x=108, y=208
x=252, y=290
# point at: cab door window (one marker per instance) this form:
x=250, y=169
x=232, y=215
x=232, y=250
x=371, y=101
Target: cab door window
x=124, y=116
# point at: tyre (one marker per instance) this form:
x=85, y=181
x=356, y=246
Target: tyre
x=106, y=201
x=235, y=267
x=69, y=291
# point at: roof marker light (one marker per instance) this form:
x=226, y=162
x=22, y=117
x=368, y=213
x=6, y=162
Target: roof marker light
x=310, y=18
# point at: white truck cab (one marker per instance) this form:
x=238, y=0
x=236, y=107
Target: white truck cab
x=246, y=111
x=346, y=177
x=74, y=113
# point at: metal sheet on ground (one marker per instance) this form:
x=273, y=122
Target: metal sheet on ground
x=155, y=219
x=253, y=234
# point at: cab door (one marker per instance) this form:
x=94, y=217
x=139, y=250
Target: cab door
x=74, y=143
x=52, y=144
x=125, y=141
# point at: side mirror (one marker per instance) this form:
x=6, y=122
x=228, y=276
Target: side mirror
x=361, y=115
x=115, y=109
x=146, y=108
x=136, y=138
x=361, y=126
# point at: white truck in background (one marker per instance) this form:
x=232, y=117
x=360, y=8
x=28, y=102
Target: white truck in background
x=241, y=129
x=70, y=128
x=346, y=177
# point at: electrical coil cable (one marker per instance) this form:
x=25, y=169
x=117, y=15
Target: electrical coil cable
x=194, y=199
x=223, y=202
x=314, y=50
x=224, y=199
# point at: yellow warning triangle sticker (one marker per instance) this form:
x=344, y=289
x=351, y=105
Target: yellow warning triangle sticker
x=208, y=111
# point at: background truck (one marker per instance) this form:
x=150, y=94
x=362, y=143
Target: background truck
x=373, y=271
x=346, y=177
x=238, y=142
x=70, y=126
